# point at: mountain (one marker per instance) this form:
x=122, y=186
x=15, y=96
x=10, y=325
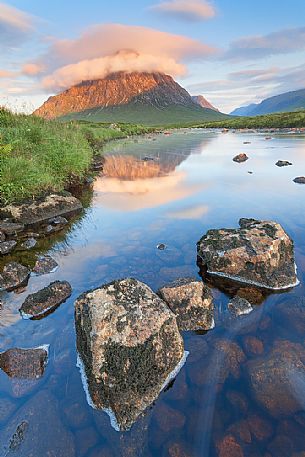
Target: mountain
x=287, y=102
x=203, y=102
x=146, y=98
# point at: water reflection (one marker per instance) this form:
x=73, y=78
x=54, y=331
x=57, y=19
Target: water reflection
x=211, y=408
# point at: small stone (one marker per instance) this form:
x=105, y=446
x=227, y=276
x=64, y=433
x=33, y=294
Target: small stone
x=161, y=247
x=6, y=247
x=300, y=180
x=239, y=306
x=10, y=228
x=253, y=346
x=192, y=303
x=283, y=163
x=24, y=363
x=240, y=158
x=30, y=243
x=229, y=447
x=18, y=436
x=13, y=276
x=46, y=300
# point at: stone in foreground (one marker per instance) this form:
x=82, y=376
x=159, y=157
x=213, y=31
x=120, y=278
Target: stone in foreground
x=42, y=210
x=46, y=300
x=24, y=363
x=13, y=276
x=299, y=180
x=283, y=163
x=239, y=306
x=240, y=158
x=129, y=347
x=277, y=379
x=192, y=303
x=258, y=253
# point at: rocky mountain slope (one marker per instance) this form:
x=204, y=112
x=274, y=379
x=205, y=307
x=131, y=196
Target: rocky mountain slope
x=127, y=97
x=289, y=101
x=203, y=102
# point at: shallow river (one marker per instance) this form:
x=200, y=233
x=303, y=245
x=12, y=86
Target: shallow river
x=211, y=408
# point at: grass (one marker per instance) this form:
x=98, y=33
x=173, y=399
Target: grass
x=148, y=115
x=39, y=156
x=278, y=120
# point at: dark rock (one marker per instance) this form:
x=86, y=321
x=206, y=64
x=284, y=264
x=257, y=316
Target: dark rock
x=129, y=345
x=24, y=363
x=45, y=265
x=36, y=430
x=299, y=180
x=46, y=300
x=240, y=158
x=161, y=247
x=277, y=378
x=10, y=228
x=30, y=243
x=6, y=247
x=192, y=303
x=239, y=306
x=258, y=253
x=38, y=211
x=283, y=163
x=13, y=276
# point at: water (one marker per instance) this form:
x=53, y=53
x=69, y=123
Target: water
x=210, y=409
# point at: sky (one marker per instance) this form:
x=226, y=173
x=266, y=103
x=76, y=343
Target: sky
x=233, y=53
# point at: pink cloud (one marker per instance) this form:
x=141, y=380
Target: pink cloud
x=32, y=69
x=104, y=49
x=190, y=10
x=15, y=25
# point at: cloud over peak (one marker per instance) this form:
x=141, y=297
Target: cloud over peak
x=189, y=10
x=108, y=48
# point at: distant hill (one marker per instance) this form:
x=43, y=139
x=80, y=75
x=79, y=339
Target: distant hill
x=146, y=98
x=287, y=102
x=203, y=102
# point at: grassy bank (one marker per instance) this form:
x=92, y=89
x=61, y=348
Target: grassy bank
x=38, y=156
x=278, y=120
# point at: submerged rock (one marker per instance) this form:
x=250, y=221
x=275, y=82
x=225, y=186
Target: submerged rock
x=41, y=210
x=129, y=346
x=192, y=303
x=240, y=158
x=299, y=180
x=36, y=430
x=13, y=276
x=239, y=306
x=277, y=378
x=258, y=253
x=45, y=265
x=7, y=246
x=24, y=363
x=46, y=300
x=28, y=244
x=283, y=163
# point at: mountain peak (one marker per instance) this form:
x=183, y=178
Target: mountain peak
x=203, y=102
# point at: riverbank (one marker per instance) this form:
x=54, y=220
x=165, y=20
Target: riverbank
x=38, y=157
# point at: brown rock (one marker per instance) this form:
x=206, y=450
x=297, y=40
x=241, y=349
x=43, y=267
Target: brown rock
x=253, y=346
x=46, y=300
x=240, y=158
x=229, y=447
x=276, y=378
x=253, y=295
x=129, y=345
x=192, y=303
x=258, y=253
x=24, y=363
x=13, y=276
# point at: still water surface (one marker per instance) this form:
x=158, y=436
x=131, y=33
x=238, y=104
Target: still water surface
x=207, y=410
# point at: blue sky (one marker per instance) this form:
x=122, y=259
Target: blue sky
x=233, y=53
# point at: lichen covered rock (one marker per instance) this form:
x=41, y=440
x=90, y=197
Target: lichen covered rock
x=46, y=300
x=41, y=210
x=24, y=363
x=13, y=276
x=258, y=253
x=129, y=345
x=192, y=303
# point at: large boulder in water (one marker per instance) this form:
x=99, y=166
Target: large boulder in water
x=259, y=253
x=129, y=347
